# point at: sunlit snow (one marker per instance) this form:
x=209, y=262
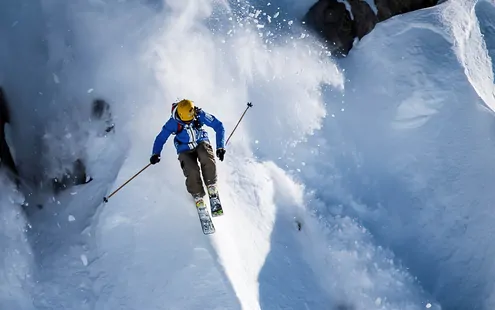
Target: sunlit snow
x=354, y=183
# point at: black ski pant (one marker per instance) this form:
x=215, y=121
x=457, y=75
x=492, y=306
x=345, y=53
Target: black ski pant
x=189, y=164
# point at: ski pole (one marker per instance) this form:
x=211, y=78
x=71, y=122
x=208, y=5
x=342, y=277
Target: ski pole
x=249, y=105
x=105, y=199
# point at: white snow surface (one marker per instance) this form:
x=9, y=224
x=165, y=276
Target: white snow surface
x=384, y=157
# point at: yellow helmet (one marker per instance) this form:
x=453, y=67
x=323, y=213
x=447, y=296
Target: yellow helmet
x=185, y=110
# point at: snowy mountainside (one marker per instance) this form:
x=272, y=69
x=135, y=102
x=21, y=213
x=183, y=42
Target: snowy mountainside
x=359, y=151
x=407, y=149
x=16, y=262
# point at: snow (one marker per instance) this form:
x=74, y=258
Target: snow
x=15, y=252
x=409, y=157
x=472, y=51
x=390, y=190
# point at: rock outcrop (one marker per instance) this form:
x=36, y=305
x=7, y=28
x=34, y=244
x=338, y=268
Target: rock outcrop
x=101, y=119
x=6, y=159
x=102, y=113
x=340, y=22
x=76, y=174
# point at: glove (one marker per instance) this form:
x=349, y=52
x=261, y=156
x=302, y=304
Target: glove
x=155, y=158
x=220, y=154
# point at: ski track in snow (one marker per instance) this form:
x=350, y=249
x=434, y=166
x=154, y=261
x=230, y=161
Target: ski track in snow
x=371, y=164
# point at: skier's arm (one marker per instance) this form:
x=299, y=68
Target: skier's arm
x=162, y=137
x=216, y=124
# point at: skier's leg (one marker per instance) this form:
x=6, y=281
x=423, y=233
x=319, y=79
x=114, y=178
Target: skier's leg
x=208, y=166
x=189, y=164
x=209, y=169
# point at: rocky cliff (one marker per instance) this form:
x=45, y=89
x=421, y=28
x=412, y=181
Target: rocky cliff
x=340, y=22
x=5, y=155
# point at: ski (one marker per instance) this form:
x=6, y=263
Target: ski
x=215, y=203
x=204, y=217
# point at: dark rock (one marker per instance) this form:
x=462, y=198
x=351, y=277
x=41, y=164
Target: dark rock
x=74, y=173
x=76, y=176
x=4, y=110
x=389, y=8
x=99, y=108
x=101, y=118
x=344, y=307
x=334, y=22
x=6, y=158
x=101, y=112
x=364, y=18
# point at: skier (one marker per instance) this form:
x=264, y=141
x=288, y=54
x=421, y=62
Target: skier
x=192, y=144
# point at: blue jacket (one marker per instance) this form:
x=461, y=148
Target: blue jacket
x=191, y=134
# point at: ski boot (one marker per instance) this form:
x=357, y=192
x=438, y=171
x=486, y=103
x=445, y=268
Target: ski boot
x=199, y=201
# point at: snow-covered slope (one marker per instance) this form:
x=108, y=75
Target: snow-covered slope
x=16, y=262
x=408, y=152
x=384, y=163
